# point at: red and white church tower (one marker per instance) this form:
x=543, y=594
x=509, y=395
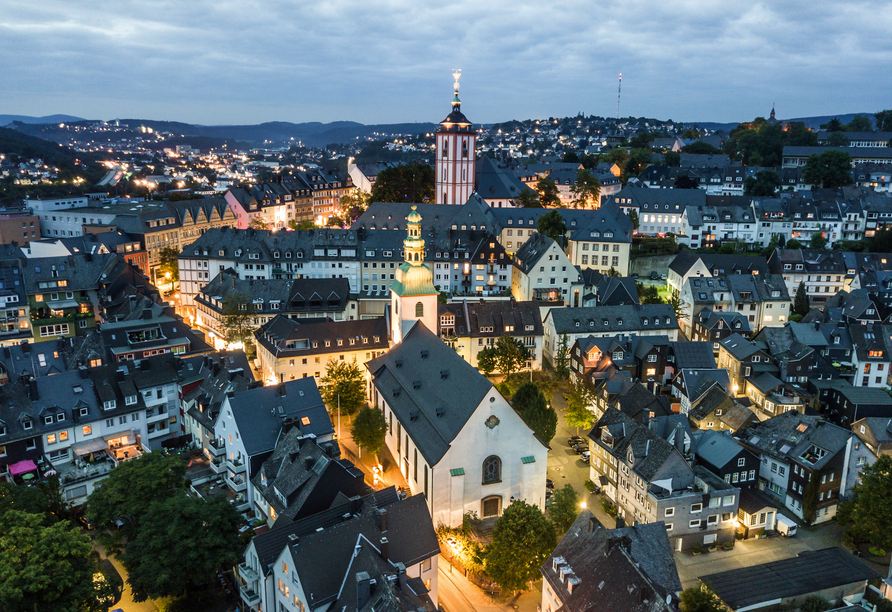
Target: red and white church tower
x=456, y=151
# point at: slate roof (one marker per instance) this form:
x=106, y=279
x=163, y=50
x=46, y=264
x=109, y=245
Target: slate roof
x=304, y=295
x=34, y=359
x=809, y=572
x=620, y=319
x=692, y=355
x=788, y=436
x=609, y=568
x=608, y=219
x=734, y=415
x=82, y=271
x=534, y=249
x=616, y=290
x=717, y=448
x=259, y=413
x=310, y=336
x=753, y=500
x=718, y=264
x=650, y=450
x=661, y=200
x=739, y=347
x=710, y=320
x=473, y=315
x=494, y=183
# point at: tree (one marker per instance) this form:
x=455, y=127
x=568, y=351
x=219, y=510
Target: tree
x=764, y=184
x=633, y=216
x=817, y=241
x=701, y=148
x=867, y=516
x=44, y=498
x=648, y=294
x=549, y=197
x=838, y=139
x=579, y=397
x=47, y=568
x=354, y=205
x=405, y=183
x=564, y=508
x=801, y=302
x=562, y=360
x=182, y=542
x=369, y=428
x=884, y=120
x=168, y=263
x=814, y=603
x=344, y=380
x=834, y=125
x=832, y=168
x=672, y=159
x=700, y=599
x=521, y=541
x=859, y=123
x=306, y=224
x=529, y=198
x=677, y=308
x=639, y=159
x=570, y=157
x=129, y=489
x=532, y=406
x=486, y=360
x=237, y=320
x=258, y=223
x=552, y=224
x=586, y=190
x=794, y=244
x=511, y=355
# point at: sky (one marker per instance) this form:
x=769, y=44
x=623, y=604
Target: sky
x=391, y=61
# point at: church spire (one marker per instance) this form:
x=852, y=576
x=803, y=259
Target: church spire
x=456, y=103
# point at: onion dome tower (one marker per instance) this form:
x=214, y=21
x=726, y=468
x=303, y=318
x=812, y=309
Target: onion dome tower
x=413, y=296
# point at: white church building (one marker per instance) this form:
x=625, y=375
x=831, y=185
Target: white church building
x=457, y=440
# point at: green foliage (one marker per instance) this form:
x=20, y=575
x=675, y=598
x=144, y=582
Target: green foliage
x=639, y=159
x=570, y=157
x=564, y=508
x=168, y=263
x=884, y=120
x=369, y=429
x=883, y=605
x=642, y=140
x=306, y=224
x=354, y=205
x=237, y=318
x=176, y=533
x=794, y=244
x=549, y=196
x=552, y=225
x=461, y=543
x=529, y=198
x=532, y=406
x=579, y=397
x=47, y=568
x=609, y=508
x=562, y=360
x=44, y=498
x=335, y=221
x=648, y=294
x=129, y=489
x=258, y=223
x=867, y=516
x=859, y=123
x=795, y=318
x=817, y=241
x=876, y=551
x=511, y=355
x=680, y=311
x=191, y=601
x=586, y=190
x=521, y=541
x=590, y=486
x=759, y=144
x=814, y=603
x=701, y=148
x=831, y=168
x=838, y=139
x=834, y=125
x=672, y=159
x=801, y=302
x=633, y=216
x=405, y=183
x=486, y=360
x=343, y=381
x=764, y=184
x=700, y=599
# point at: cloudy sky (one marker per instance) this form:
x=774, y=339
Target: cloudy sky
x=386, y=61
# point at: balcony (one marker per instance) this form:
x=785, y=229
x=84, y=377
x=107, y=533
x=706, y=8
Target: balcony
x=247, y=573
x=218, y=464
x=236, y=483
x=216, y=447
x=236, y=466
x=250, y=597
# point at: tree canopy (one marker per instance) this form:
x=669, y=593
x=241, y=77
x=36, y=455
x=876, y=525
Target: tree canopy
x=369, y=429
x=801, y=301
x=830, y=168
x=586, y=190
x=237, y=318
x=564, y=508
x=508, y=355
x=672, y=158
x=47, y=568
x=529, y=198
x=764, y=184
x=405, y=183
x=532, y=406
x=867, y=516
x=344, y=380
x=549, y=197
x=579, y=397
x=883, y=120
x=759, y=143
x=521, y=541
x=168, y=263
x=552, y=224
x=182, y=542
x=700, y=599
x=352, y=206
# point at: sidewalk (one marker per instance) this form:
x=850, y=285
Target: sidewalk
x=457, y=593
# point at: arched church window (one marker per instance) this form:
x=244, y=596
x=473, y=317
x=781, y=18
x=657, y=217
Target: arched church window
x=419, y=309
x=492, y=470
x=464, y=147
x=445, y=148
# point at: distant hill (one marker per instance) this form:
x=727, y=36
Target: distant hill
x=16, y=146
x=7, y=119
x=812, y=122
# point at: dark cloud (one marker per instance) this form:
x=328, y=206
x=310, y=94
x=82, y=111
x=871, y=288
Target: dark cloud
x=390, y=60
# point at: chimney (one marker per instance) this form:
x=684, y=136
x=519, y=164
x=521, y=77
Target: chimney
x=593, y=525
x=401, y=573
x=32, y=388
x=817, y=326
x=382, y=517
x=308, y=463
x=281, y=390
x=385, y=549
x=363, y=590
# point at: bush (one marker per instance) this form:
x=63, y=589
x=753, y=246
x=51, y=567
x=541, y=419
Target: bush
x=728, y=545
x=608, y=507
x=697, y=548
x=193, y=600
x=590, y=486
x=876, y=551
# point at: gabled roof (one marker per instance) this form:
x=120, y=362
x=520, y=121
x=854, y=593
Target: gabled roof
x=619, y=319
x=717, y=448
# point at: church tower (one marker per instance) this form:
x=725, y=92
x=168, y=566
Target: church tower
x=456, y=151
x=412, y=295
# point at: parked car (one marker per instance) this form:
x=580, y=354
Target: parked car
x=574, y=440
x=586, y=456
x=580, y=449
x=662, y=277
x=549, y=483
x=654, y=276
x=786, y=527
x=86, y=522
x=634, y=275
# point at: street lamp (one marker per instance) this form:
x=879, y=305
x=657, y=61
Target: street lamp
x=583, y=505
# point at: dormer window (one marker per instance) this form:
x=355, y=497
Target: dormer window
x=48, y=419
x=27, y=424
x=130, y=400
x=109, y=405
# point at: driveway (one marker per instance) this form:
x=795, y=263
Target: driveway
x=751, y=552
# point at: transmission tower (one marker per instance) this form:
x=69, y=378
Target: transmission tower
x=619, y=91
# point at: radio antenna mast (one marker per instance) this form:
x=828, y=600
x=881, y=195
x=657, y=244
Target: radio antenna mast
x=619, y=91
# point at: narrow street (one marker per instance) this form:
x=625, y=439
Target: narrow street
x=126, y=603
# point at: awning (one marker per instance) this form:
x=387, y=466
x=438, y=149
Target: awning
x=22, y=467
x=62, y=304
x=90, y=446
x=130, y=439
